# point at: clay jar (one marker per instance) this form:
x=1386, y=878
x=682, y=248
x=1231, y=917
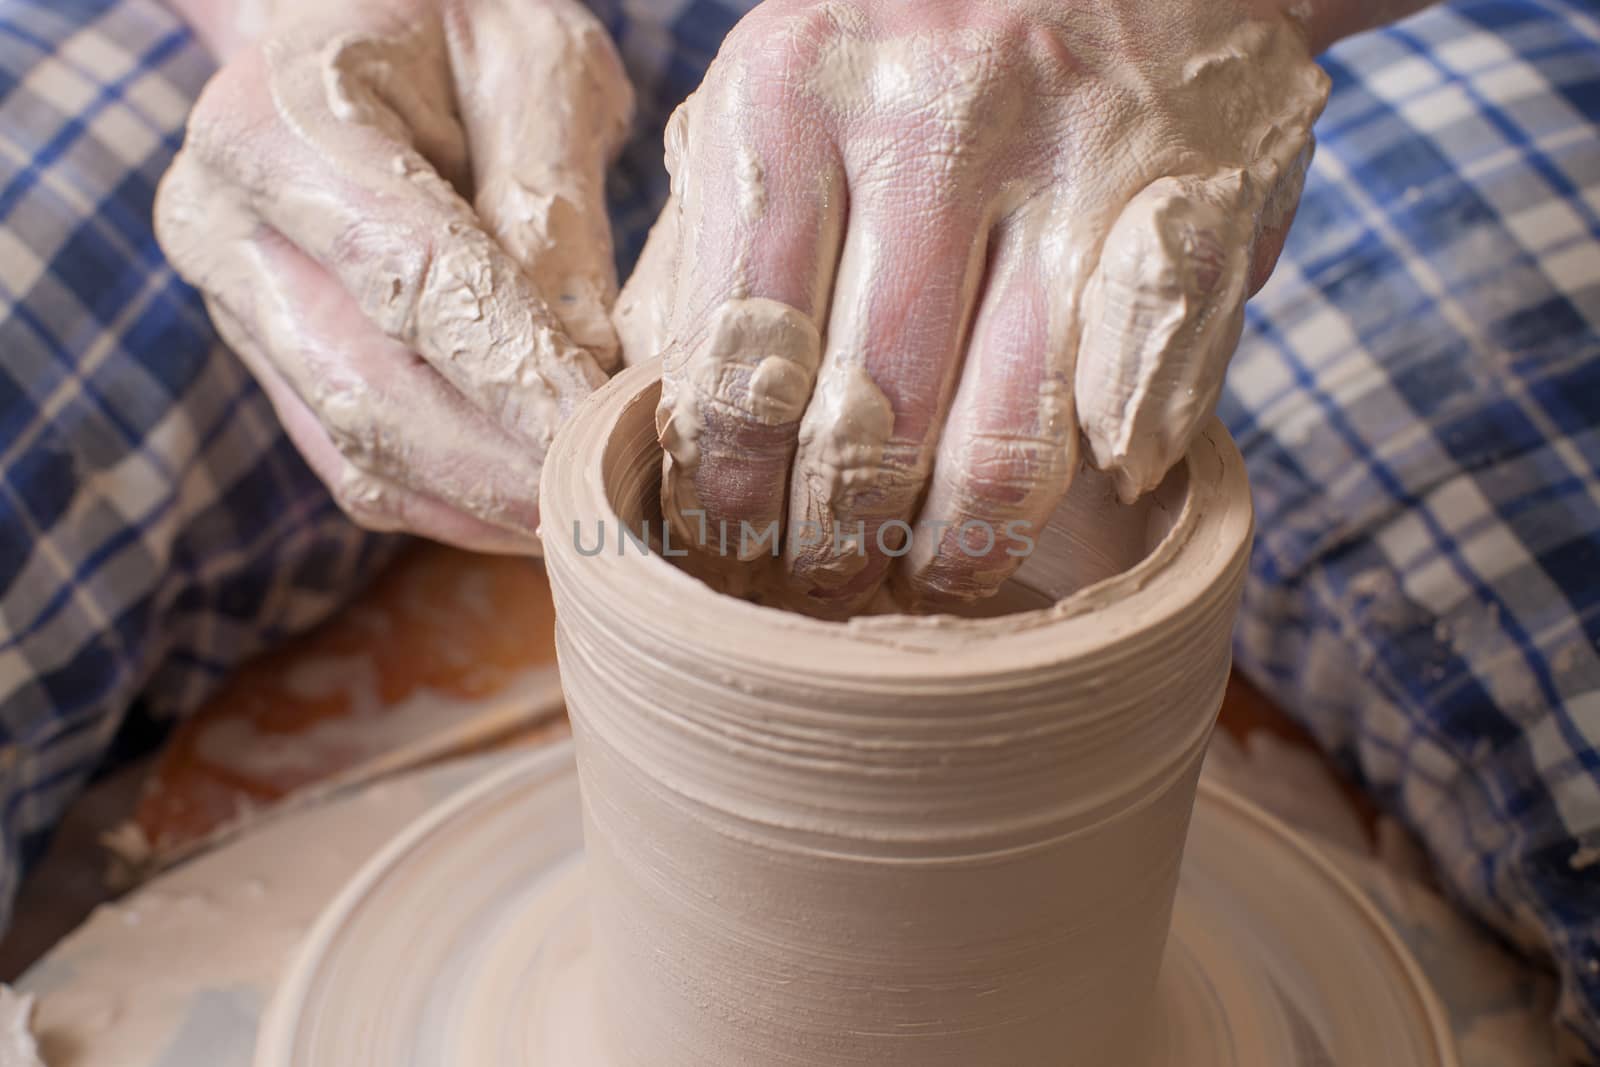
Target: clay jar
x=919, y=841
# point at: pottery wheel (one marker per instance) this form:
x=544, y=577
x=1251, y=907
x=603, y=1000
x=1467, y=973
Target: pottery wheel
x=464, y=944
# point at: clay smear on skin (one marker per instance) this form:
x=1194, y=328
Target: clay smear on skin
x=507, y=297
x=1140, y=329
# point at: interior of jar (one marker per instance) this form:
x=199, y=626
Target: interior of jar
x=1090, y=537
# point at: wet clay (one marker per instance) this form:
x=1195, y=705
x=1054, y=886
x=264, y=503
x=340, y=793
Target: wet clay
x=898, y=840
x=374, y=183
x=467, y=944
x=901, y=840
x=1018, y=232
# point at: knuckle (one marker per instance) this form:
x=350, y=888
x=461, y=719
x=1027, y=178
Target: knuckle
x=764, y=80
x=770, y=58
x=1006, y=471
x=853, y=474
x=757, y=365
x=1043, y=42
x=233, y=107
x=775, y=28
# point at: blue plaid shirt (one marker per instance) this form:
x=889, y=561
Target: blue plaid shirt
x=1417, y=395
x=1418, y=399
x=156, y=526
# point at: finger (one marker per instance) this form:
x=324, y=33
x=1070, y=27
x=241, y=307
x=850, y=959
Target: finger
x=1278, y=213
x=370, y=501
x=395, y=235
x=895, y=336
x=546, y=105
x=1009, y=446
x=196, y=237
x=759, y=228
x=223, y=256
x=386, y=411
x=1163, y=313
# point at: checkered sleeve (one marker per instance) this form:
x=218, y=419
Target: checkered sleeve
x=1418, y=399
x=155, y=524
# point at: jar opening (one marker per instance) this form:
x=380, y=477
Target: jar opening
x=1092, y=535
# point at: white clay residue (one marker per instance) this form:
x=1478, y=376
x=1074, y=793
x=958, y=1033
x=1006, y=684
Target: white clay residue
x=122, y=988
x=1169, y=292
x=1142, y=164
x=755, y=366
x=842, y=443
x=376, y=175
x=752, y=187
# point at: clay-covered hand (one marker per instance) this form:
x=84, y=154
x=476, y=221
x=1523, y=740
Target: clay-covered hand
x=916, y=248
x=395, y=211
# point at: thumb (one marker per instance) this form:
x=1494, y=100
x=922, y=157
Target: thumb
x=545, y=104
x=1162, y=315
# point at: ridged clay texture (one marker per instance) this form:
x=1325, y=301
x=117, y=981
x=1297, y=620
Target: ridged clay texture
x=927, y=841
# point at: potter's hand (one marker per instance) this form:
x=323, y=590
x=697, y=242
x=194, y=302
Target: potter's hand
x=395, y=212
x=917, y=248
